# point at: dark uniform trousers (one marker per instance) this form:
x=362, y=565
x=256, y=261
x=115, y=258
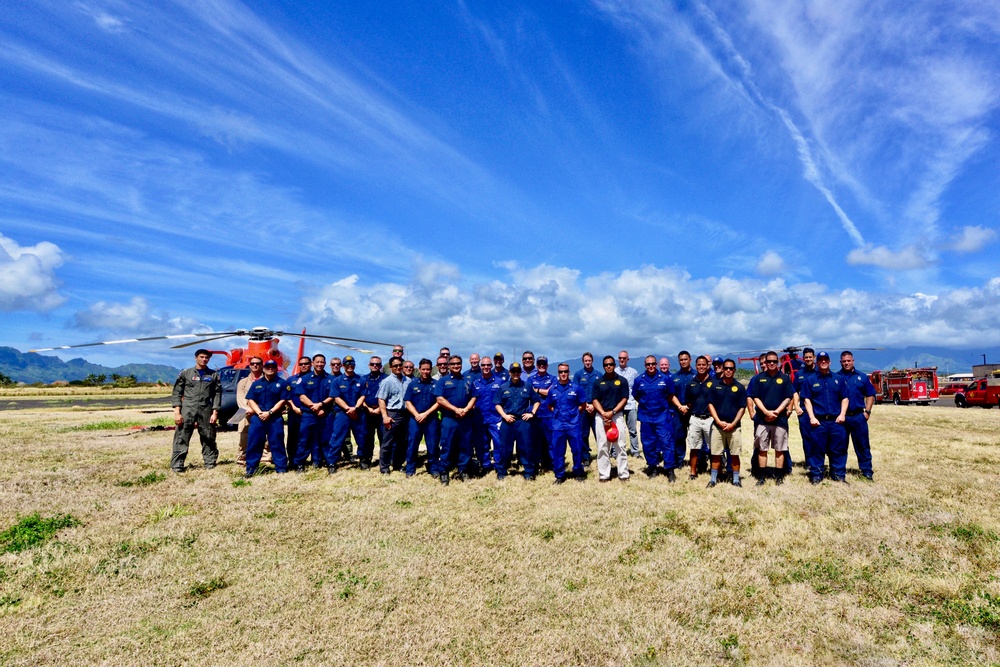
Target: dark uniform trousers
x=272, y=430
x=293, y=422
x=366, y=446
x=182, y=437
x=829, y=438
x=343, y=427
x=521, y=432
x=310, y=438
x=456, y=444
x=392, y=453
x=430, y=431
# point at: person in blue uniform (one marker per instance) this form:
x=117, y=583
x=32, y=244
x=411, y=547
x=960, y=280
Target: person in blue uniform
x=392, y=453
x=826, y=404
x=565, y=402
x=498, y=368
x=487, y=431
x=654, y=393
x=681, y=379
x=456, y=399
x=860, y=397
x=424, y=424
x=802, y=376
x=771, y=392
x=372, y=415
x=313, y=392
x=609, y=394
x=727, y=403
x=517, y=404
x=541, y=434
x=474, y=369
x=295, y=407
x=347, y=392
x=584, y=377
x=266, y=401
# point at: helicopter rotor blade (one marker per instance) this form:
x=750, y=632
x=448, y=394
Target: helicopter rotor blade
x=115, y=342
x=334, y=338
x=346, y=346
x=202, y=340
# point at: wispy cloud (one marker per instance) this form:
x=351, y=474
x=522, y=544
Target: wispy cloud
x=907, y=258
x=135, y=317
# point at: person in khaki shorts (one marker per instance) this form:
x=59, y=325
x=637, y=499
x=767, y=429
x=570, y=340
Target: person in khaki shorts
x=772, y=393
x=727, y=403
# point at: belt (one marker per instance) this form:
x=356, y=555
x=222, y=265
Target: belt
x=396, y=411
x=704, y=416
x=851, y=413
x=826, y=418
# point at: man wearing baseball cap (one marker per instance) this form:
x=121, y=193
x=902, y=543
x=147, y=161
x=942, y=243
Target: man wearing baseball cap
x=608, y=395
x=826, y=404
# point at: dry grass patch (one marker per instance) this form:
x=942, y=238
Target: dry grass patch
x=361, y=569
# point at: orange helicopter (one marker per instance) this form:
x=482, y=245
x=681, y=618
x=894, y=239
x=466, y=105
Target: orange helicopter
x=261, y=342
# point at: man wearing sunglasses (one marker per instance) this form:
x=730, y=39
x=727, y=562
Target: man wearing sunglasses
x=313, y=392
x=302, y=368
x=256, y=366
x=655, y=394
x=541, y=436
x=456, y=398
x=585, y=378
x=827, y=399
x=348, y=395
x=608, y=395
x=771, y=392
x=372, y=414
x=564, y=402
x=727, y=403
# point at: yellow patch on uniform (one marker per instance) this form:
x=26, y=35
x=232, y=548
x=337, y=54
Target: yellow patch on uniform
x=779, y=380
x=618, y=383
x=708, y=384
x=734, y=389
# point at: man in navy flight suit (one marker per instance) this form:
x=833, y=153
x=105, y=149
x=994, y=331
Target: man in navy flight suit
x=826, y=400
x=517, y=404
x=265, y=402
x=565, y=402
x=861, y=397
x=455, y=397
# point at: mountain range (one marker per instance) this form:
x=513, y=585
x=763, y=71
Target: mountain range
x=30, y=367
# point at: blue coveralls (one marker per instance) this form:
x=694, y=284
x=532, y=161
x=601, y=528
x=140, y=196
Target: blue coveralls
x=266, y=394
x=373, y=422
x=501, y=373
x=681, y=380
x=316, y=388
x=541, y=427
x=652, y=394
x=348, y=388
x=858, y=387
x=516, y=399
x=456, y=446
x=588, y=423
x=487, y=431
x=830, y=438
x=563, y=404
x=294, y=420
x=802, y=377
x=421, y=395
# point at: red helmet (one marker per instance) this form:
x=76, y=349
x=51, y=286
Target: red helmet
x=612, y=433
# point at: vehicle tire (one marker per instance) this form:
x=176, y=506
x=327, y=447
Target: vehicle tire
x=960, y=401
x=896, y=401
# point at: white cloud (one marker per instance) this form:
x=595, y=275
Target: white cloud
x=650, y=309
x=27, y=276
x=770, y=264
x=907, y=258
x=135, y=317
x=973, y=239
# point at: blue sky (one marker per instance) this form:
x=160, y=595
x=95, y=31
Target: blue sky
x=555, y=175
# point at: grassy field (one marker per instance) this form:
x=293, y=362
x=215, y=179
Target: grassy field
x=109, y=558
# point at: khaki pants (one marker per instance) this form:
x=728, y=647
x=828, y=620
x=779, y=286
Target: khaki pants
x=604, y=448
x=243, y=428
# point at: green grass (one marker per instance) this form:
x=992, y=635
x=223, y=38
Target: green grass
x=33, y=530
x=120, y=424
x=200, y=590
x=146, y=480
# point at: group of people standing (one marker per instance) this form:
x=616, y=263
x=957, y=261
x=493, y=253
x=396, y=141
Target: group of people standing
x=492, y=419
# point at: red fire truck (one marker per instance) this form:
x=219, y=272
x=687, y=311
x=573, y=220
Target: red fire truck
x=910, y=385
x=984, y=392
